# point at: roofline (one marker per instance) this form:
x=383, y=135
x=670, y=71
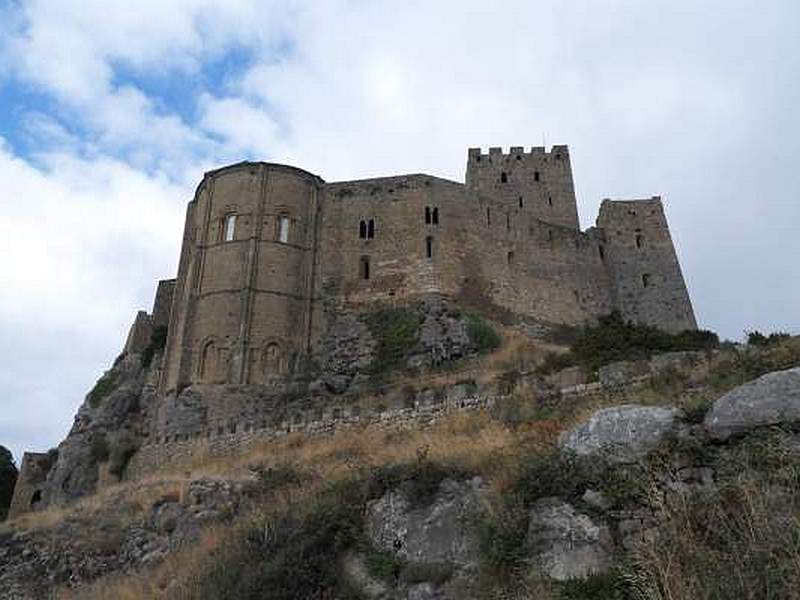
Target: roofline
x=316, y=179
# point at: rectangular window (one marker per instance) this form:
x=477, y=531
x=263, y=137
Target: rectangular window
x=283, y=230
x=230, y=228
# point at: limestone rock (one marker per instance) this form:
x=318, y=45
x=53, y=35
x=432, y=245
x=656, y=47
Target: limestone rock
x=772, y=399
x=621, y=433
x=436, y=533
x=565, y=543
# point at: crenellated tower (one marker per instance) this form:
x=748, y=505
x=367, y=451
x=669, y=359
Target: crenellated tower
x=538, y=183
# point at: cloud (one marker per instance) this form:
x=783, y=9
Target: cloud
x=124, y=107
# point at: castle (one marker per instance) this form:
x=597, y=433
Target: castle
x=279, y=268
x=271, y=253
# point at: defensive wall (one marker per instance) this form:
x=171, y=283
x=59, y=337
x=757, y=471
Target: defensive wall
x=272, y=255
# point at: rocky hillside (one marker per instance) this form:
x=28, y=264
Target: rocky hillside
x=674, y=476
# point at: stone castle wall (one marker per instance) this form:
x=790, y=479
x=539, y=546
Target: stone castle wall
x=253, y=300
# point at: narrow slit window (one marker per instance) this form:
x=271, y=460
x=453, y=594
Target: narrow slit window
x=364, y=267
x=371, y=229
x=427, y=215
x=230, y=228
x=508, y=222
x=435, y=215
x=549, y=235
x=536, y=175
x=504, y=177
x=646, y=280
x=639, y=240
x=520, y=201
x=488, y=216
x=362, y=230
x=602, y=252
x=283, y=230
x=429, y=247
x=550, y=201
x=510, y=258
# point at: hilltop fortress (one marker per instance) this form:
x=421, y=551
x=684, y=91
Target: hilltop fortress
x=272, y=254
x=274, y=322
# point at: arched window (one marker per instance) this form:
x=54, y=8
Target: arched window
x=429, y=247
x=435, y=215
x=283, y=229
x=550, y=201
x=639, y=240
x=209, y=365
x=363, y=267
x=510, y=258
x=427, y=215
x=272, y=361
x=371, y=229
x=504, y=177
x=362, y=230
x=229, y=229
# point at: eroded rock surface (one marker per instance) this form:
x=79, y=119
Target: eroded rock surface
x=772, y=399
x=434, y=533
x=565, y=543
x=621, y=433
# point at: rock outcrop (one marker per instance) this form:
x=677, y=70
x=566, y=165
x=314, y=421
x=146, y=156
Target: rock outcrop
x=622, y=433
x=772, y=399
x=565, y=543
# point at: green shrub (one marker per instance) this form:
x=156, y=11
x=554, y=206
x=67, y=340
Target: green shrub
x=396, y=331
x=481, y=334
x=756, y=338
x=614, y=339
x=104, y=386
x=384, y=565
x=8, y=479
x=608, y=586
x=158, y=340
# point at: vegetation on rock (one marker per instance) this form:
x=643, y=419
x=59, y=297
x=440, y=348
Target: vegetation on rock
x=8, y=479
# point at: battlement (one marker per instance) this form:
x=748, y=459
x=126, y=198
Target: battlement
x=495, y=154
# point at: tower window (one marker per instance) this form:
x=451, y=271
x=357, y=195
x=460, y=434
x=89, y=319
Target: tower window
x=435, y=215
x=549, y=235
x=363, y=267
x=508, y=222
x=362, y=230
x=230, y=228
x=520, y=201
x=427, y=215
x=504, y=177
x=429, y=247
x=283, y=229
x=549, y=201
x=646, y=280
x=639, y=240
x=602, y=252
x=536, y=175
x=371, y=229
x=510, y=258
x=488, y=216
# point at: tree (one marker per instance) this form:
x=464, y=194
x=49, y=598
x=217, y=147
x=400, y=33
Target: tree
x=8, y=479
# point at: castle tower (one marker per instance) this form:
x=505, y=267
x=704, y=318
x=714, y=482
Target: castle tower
x=241, y=309
x=537, y=183
x=647, y=284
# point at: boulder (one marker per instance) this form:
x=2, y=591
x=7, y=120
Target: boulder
x=677, y=361
x=772, y=399
x=437, y=532
x=621, y=434
x=565, y=543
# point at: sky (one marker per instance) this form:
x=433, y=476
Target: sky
x=110, y=112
